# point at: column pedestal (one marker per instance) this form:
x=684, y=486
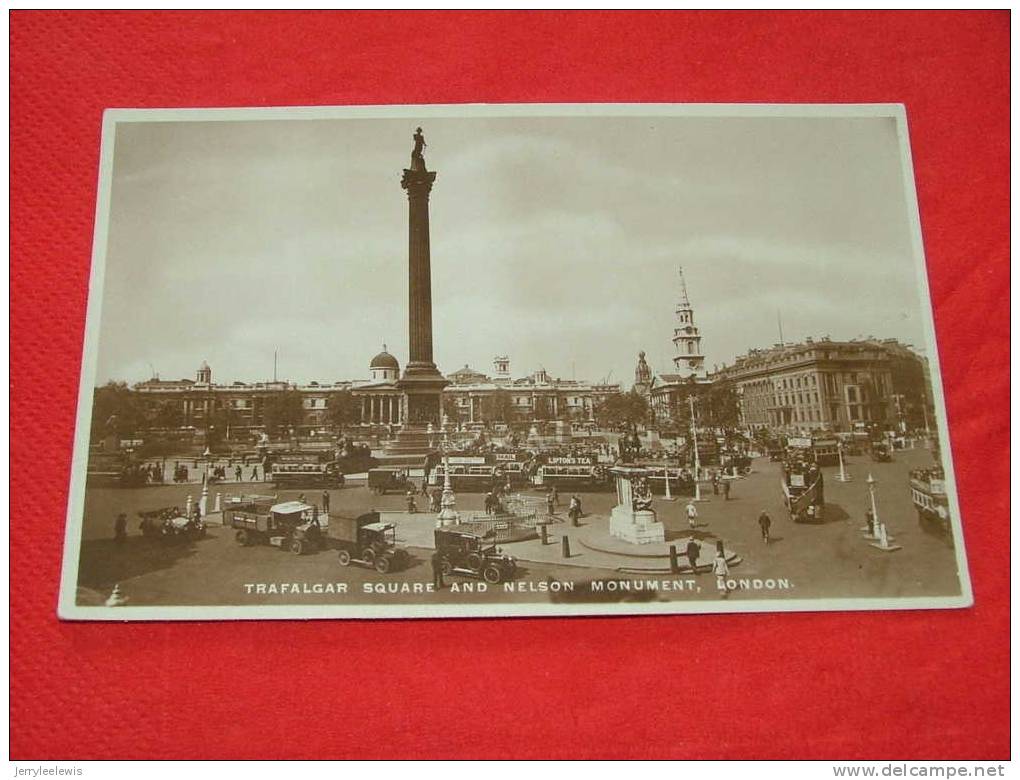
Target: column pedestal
x=633, y=520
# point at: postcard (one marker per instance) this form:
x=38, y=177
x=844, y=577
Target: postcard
x=509, y=360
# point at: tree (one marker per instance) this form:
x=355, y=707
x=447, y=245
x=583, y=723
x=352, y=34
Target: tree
x=342, y=410
x=622, y=410
x=216, y=423
x=167, y=414
x=543, y=408
x=451, y=409
x=283, y=409
x=498, y=407
x=115, y=411
x=720, y=407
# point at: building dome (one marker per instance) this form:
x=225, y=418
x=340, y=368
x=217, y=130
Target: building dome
x=384, y=360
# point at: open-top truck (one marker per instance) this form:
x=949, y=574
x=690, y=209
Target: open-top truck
x=366, y=540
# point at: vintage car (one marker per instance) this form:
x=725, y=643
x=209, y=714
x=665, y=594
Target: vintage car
x=386, y=478
x=170, y=525
x=462, y=552
x=881, y=451
x=367, y=541
x=291, y=525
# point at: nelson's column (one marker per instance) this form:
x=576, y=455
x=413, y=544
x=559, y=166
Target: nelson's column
x=422, y=383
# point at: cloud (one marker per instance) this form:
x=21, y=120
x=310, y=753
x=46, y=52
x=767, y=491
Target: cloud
x=553, y=240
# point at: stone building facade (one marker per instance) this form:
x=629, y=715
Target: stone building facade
x=829, y=385
x=471, y=395
x=241, y=406
x=378, y=400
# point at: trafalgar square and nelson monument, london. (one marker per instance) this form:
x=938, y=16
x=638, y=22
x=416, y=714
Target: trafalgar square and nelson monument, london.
x=807, y=470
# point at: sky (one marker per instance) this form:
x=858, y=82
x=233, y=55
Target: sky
x=555, y=240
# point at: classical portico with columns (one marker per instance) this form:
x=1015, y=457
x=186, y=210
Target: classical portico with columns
x=380, y=399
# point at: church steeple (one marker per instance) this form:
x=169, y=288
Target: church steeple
x=686, y=337
x=642, y=375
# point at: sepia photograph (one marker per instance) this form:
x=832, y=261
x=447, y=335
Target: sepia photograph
x=514, y=360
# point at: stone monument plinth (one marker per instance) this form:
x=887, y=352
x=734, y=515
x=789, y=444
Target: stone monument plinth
x=633, y=519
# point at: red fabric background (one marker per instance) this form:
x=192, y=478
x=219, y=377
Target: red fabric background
x=908, y=684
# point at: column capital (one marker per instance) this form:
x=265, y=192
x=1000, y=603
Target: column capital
x=417, y=183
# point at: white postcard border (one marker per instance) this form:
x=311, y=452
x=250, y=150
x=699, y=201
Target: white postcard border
x=68, y=608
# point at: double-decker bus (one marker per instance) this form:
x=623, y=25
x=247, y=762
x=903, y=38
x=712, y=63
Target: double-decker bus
x=303, y=470
x=825, y=448
x=480, y=473
x=803, y=490
x=928, y=494
x=467, y=474
x=681, y=480
x=514, y=467
x=580, y=473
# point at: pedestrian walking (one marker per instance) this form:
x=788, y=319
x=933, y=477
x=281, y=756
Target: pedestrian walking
x=434, y=500
x=424, y=486
x=437, y=571
x=255, y=473
x=555, y=495
x=693, y=551
x=575, y=510
x=721, y=570
x=120, y=528
x=692, y=514
x=715, y=483
x=325, y=501
x=550, y=504
x=726, y=490
x=764, y=523
x=238, y=473
x=411, y=507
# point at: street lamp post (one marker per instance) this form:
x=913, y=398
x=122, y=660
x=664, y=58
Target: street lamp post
x=697, y=460
x=883, y=541
x=448, y=515
x=843, y=476
x=871, y=491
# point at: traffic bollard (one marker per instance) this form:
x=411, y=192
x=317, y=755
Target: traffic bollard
x=674, y=562
x=566, y=546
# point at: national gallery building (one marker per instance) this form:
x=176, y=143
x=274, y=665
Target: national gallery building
x=471, y=397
